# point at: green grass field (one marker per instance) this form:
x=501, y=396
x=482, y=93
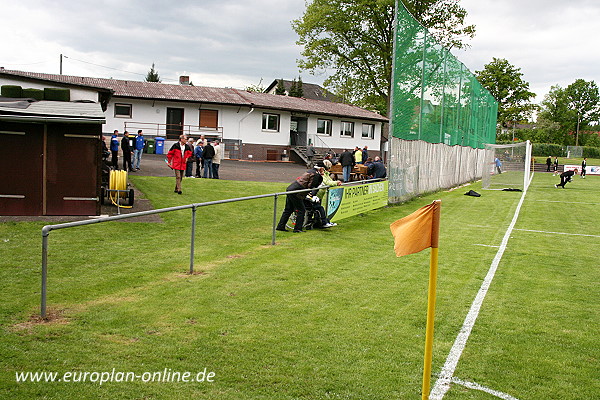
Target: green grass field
x=322, y=315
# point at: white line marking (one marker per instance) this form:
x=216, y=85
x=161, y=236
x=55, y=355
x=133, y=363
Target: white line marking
x=476, y=386
x=485, y=245
x=557, y=233
x=442, y=385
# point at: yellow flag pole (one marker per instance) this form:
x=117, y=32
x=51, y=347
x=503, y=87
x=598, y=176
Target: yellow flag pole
x=433, y=266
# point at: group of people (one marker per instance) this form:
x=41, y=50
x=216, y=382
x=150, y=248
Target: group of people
x=348, y=159
x=566, y=176
x=139, y=143
x=186, y=152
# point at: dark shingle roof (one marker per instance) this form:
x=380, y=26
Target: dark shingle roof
x=203, y=94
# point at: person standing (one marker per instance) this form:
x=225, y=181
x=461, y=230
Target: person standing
x=548, y=163
x=207, y=155
x=358, y=155
x=498, y=164
x=114, y=149
x=127, y=151
x=199, y=160
x=189, y=167
x=138, y=149
x=583, y=167
x=555, y=166
x=177, y=159
x=566, y=177
x=295, y=201
x=310, y=154
x=347, y=161
x=216, y=162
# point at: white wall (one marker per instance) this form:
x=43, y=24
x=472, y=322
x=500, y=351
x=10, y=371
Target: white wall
x=77, y=94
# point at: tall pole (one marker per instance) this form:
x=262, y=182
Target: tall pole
x=431, y=293
x=61, y=64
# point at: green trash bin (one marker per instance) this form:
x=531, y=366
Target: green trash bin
x=149, y=146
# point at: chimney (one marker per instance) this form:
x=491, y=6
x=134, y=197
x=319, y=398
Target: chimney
x=184, y=80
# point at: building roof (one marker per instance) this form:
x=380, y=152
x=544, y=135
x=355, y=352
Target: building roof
x=203, y=94
x=47, y=111
x=310, y=90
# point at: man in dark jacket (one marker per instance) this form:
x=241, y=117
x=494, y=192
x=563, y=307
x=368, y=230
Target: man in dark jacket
x=377, y=169
x=566, y=177
x=127, y=151
x=347, y=161
x=207, y=155
x=295, y=201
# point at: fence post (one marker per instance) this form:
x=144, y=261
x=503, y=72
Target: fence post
x=193, y=240
x=44, y=272
x=274, y=218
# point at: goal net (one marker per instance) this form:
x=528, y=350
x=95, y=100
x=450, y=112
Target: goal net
x=574, y=151
x=507, y=166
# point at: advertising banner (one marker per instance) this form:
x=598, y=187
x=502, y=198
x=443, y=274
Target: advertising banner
x=347, y=201
x=589, y=170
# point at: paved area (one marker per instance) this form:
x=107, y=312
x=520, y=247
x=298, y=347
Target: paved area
x=285, y=172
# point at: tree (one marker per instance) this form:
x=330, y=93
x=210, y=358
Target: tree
x=299, y=89
x=280, y=89
x=582, y=97
x=354, y=38
x=152, y=75
x=256, y=88
x=505, y=83
x=573, y=108
x=293, y=89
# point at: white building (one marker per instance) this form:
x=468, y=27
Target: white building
x=258, y=126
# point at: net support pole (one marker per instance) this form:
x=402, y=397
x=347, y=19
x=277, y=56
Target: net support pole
x=431, y=294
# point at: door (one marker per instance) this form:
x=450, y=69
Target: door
x=298, y=128
x=73, y=174
x=21, y=168
x=174, y=123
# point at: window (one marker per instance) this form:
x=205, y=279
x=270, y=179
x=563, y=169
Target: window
x=270, y=122
x=209, y=119
x=368, y=131
x=324, y=127
x=122, y=110
x=347, y=129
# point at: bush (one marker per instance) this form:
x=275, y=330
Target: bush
x=37, y=94
x=11, y=91
x=548, y=149
x=57, y=94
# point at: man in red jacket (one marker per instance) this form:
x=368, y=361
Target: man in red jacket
x=177, y=159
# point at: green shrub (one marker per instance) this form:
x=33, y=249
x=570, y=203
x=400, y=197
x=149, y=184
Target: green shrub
x=55, y=94
x=12, y=91
x=548, y=149
x=37, y=94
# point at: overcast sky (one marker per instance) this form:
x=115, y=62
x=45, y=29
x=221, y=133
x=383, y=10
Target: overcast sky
x=235, y=43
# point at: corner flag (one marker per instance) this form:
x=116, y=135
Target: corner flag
x=414, y=233
x=417, y=231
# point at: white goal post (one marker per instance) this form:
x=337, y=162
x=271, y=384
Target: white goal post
x=507, y=166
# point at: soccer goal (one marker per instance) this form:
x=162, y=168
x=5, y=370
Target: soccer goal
x=507, y=166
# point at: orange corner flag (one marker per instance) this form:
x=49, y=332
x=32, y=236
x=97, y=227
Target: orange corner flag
x=417, y=231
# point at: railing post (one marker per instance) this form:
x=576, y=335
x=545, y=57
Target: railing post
x=44, y=272
x=274, y=218
x=193, y=240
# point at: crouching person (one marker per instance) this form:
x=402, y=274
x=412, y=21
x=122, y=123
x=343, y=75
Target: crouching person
x=295, y=201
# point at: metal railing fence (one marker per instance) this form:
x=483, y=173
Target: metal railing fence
x=48, y=228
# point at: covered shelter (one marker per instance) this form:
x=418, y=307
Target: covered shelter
x=50, y=157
